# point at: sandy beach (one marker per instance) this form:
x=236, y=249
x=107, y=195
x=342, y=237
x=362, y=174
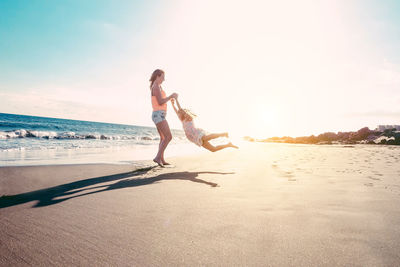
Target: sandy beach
x=262, y=205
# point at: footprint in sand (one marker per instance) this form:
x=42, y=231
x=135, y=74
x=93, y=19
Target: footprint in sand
x=287, y=174
x=374, y=178
x=369, y=184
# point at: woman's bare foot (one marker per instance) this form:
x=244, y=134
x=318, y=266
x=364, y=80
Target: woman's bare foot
x=164, y=162
x=158, y=161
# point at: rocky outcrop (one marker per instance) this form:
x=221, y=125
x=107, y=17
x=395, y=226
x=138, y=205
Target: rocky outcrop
x=362, y=136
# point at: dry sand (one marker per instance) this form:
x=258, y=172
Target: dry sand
x=262, y=205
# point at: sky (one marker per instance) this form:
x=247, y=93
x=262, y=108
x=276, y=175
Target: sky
x=257, y=68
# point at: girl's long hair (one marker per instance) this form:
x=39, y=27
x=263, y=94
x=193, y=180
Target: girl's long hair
x=187, y=113
x=154, y=76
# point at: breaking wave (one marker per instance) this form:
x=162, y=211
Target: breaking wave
x=22, y=133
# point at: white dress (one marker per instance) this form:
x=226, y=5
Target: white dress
x=192, y=133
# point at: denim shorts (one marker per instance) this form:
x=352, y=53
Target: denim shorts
x=158, y=116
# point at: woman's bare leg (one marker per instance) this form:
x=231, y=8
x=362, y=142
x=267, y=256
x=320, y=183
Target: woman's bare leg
x=209, y=137
x=163, y=127
x=212, y=148
x=159, y=147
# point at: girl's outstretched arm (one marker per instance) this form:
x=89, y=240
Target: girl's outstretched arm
x=177, y=102
x=173, y=105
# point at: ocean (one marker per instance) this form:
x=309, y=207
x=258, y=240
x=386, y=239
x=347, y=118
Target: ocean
x=32, y=140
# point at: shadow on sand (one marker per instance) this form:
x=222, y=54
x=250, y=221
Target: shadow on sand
x=57, y=194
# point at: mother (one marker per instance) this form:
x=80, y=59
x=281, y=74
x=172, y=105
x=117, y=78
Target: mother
x=159, y=102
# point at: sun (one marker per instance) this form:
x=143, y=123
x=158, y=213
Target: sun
x=268, y=117
x=266, y=121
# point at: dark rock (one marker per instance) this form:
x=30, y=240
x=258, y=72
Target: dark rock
x=391, y=142
x=371, y=137
x=324, y=143
x=361, y=134
x=312, y=139
x=29, y=134
x=343, y=135
x=251, y=139
x=389, y=132
x=396, y=141
x=329, y=136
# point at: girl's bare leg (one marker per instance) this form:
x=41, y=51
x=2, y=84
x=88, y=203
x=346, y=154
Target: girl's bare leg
x=209, y=137
x=212, y=148
x=163, y=127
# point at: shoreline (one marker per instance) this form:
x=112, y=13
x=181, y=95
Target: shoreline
x=135, y=157
x=108, y=155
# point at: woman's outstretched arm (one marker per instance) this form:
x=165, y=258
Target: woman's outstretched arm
x=160, y=99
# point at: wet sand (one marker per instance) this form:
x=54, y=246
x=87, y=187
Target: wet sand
x=262, y=205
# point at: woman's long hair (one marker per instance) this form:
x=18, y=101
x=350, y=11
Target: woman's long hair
x=154, y=76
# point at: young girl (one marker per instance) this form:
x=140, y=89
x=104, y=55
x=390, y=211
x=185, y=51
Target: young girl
x=197, y=135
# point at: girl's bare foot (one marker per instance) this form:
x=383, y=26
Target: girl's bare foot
x=232, y=145
x=158, y=161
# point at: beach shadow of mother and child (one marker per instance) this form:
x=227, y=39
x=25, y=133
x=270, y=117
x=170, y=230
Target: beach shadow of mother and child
x=60, y=193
